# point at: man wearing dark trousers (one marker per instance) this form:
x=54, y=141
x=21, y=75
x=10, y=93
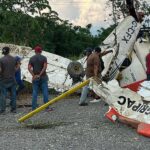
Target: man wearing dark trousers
x=7, y=80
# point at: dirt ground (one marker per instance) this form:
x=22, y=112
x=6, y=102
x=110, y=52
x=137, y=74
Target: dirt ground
x=68, y=127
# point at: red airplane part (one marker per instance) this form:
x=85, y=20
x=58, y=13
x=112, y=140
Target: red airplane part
x=142, y=128
x=134, y=86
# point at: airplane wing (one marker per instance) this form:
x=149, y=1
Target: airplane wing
x=56, y=71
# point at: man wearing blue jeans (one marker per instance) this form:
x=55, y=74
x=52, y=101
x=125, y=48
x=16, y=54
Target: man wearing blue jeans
x=7, y=80
x=37, y=67
x=44, y=85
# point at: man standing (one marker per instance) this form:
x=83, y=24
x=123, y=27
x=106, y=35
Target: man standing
x=37, y=67
x=7, y=80
x=93, y=70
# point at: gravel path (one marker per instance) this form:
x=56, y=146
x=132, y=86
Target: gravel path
x=68, y=127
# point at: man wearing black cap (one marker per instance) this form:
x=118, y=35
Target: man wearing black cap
x=88, y=51
x=7, y=80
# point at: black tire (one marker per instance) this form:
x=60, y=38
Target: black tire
x=75, y=69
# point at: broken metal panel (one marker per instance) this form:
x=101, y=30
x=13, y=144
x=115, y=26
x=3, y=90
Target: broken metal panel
x=125, y=30
x=127, y=103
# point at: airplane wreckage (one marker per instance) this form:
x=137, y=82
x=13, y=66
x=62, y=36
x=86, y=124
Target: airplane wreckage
x=124, y=87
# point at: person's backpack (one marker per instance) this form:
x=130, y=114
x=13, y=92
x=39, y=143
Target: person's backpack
x=102, y=64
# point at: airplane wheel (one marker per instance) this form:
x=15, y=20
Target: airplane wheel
x=75, y=70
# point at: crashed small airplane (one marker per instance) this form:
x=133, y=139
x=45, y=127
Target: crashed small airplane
x=123, y=85
x=125, y=88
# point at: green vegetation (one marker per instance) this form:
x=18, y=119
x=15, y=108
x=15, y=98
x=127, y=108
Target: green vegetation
x=121, y=8
x=23, y=22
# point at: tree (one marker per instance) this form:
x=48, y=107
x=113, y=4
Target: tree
x=45, y=28
x=121, y=7
x=34, y=7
